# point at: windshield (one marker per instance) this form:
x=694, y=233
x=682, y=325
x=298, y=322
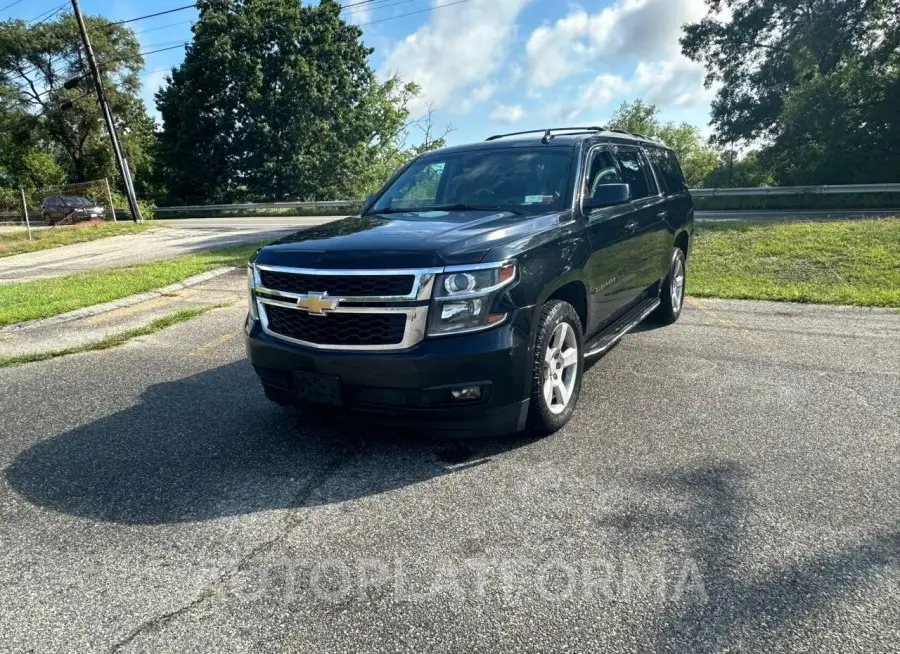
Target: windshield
x=522, y=180
x=74, y=201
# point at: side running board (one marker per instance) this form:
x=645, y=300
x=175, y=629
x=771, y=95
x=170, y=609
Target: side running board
x=601, y=343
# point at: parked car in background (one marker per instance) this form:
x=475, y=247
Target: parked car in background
x=70, y=208
x=470, y=291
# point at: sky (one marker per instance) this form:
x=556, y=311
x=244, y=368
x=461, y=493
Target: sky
x=489, y=66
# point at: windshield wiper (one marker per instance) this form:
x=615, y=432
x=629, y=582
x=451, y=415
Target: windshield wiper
x=452, y=207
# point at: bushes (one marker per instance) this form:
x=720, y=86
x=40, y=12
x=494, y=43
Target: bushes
x=800, y=202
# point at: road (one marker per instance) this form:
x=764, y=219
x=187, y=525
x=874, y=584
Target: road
x=716, y=216
x=730, y=483
x=129, y=249
x=197, y=234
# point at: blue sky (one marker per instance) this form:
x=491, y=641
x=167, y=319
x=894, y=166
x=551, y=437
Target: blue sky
x=488, y=66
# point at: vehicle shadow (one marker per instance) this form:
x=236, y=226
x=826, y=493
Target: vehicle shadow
x=211, y=445
x=757, y=608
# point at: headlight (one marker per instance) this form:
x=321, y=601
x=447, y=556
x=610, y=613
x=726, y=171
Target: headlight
x=464, y=298
x=251, y=282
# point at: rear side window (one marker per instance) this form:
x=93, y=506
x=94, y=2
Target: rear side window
x=670, y=170
x=634, y=172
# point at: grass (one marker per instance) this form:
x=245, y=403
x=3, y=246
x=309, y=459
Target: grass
x=111, y=341
x=17, y=242
x=845, y=262
x=49, y=297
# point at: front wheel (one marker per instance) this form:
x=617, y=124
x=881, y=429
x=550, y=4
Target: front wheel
x=671, y=297
x=558, y=368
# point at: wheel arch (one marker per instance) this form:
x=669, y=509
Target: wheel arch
x=683, y=241
x=575, y=293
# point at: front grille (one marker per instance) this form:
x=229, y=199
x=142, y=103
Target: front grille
x=338, y=285
x=337, y=328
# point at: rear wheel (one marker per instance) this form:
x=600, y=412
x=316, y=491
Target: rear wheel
x=671, y=297
x=558, y=368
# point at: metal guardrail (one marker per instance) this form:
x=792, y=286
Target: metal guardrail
x=796, y=190
x=250, y=206
x=696, y=192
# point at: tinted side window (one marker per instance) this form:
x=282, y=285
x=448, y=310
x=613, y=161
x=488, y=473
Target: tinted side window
x=602, y=171
x=634, y=173
x=670, y=170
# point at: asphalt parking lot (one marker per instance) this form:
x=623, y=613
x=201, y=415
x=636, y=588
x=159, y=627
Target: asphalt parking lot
x=728, y=484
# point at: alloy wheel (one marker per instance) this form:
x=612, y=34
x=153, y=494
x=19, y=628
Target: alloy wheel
x=677, y=284
x=560, y=368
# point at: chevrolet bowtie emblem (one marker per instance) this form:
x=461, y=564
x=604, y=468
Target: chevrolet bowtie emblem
x=318, y=304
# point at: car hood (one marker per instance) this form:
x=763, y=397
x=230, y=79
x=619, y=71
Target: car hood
x=402, y=240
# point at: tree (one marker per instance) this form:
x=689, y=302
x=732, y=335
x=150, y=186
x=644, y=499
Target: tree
x=817, y=81
x=35, y=62
x=740, y=172
x=276, y=101
x=696, y=158
x=394, y=147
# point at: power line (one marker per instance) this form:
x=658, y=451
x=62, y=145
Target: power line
x=358, y=11
x=47, y=15
x=9, y=6
x=381, y=6
x=180, y=45
x=381, y=20
x=162, y=27
x=159, y=13
x=412, y=13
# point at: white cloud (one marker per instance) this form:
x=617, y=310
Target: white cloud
x=506, y=114
x=478, y=95
x=460, y=47
x=602, y=89
x=562, y=113
x=640, y=29
x=677, y=82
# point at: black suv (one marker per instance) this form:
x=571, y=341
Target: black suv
x=469, y=291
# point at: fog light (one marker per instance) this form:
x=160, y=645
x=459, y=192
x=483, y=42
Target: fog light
x=466, y=393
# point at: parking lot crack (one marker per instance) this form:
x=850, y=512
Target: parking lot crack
x=290, y=522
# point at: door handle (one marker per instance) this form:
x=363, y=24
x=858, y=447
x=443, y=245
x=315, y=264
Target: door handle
x=632, y=226
x=662, y=215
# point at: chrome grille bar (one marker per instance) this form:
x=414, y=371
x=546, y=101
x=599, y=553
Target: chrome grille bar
x=415, y=311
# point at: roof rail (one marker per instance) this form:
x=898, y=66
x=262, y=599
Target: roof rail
x=625, y=131
x=548, y=132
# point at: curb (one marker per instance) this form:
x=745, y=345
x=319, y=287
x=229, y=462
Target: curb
x=97, y=309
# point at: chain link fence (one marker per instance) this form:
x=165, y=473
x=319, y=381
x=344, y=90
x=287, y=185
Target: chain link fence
x=65, y=204
x=70, y=203
x=11, y=209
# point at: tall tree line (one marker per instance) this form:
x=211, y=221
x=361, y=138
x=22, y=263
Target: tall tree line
x=276, y=100
x=815, y=84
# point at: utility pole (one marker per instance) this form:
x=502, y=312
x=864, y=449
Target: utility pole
x=107, y=117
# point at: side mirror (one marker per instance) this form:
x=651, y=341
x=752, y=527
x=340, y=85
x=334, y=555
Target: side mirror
x=608, y=195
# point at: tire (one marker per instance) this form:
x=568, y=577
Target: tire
x=558, y=332
x=671, y=298
x=279, y=396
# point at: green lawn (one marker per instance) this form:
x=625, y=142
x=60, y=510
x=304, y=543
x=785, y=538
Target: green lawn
x=50, y=297
x=111, y=341
x=42, y=239
x=846, y=262
x=843, y=262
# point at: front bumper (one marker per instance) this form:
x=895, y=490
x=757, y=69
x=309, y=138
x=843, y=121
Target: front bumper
x=411, y=387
